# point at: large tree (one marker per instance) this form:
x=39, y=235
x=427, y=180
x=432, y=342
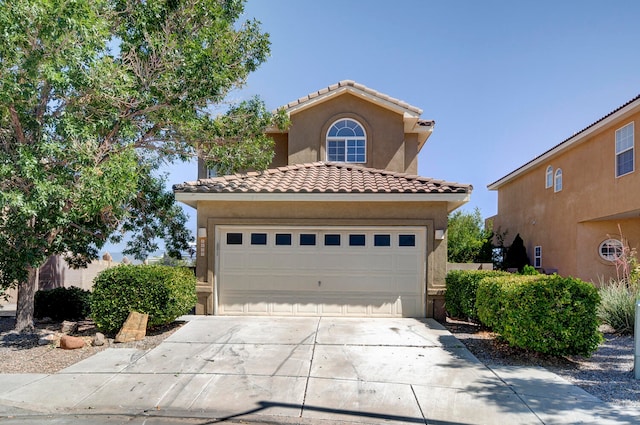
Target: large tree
x=468, y=239
x=95, y=95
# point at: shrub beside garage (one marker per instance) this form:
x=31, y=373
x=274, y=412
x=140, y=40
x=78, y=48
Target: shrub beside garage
x=548, y=314
x=460, y=297
x=163, y=292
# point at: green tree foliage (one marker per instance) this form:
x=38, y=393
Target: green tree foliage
x=95, y=95
x=468, y=240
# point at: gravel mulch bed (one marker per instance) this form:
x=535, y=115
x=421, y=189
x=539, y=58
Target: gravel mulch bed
x=21, y=353
x=607, y=374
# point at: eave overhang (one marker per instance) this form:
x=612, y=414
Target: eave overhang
x=410, y=114
x=572, y=141
x=453, y=200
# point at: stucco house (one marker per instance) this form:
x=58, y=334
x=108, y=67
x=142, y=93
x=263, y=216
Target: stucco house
x=574, y=204
x=340, y=225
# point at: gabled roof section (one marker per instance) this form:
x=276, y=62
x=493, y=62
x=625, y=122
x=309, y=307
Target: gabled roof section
x=320, y=181
x=350, y=86
x=569, y=142
x=411, y=114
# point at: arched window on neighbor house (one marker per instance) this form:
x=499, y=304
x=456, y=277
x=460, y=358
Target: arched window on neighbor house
x=557, y=186
x=549, y=177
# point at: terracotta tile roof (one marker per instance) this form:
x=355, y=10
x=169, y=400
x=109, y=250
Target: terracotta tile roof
x=357, y=86
x=321, y=177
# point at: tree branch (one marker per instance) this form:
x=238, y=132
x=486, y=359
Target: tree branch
x=17, y=126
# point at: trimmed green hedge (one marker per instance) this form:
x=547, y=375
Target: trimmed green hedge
x=460, y=297
x=62, y=303
x=547, y=314
x=163, y=292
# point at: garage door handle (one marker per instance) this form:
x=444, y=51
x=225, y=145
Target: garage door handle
x=319, y=283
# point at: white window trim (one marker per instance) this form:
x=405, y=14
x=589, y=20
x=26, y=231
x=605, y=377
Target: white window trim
x=610, y=241
x=358, y=138
x=632, y=148
x=557, y=180
x=548, y=177
x=537, y=259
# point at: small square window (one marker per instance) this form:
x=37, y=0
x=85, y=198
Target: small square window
x=332, y=240
x=357, y=240
x=407, y=240
x=382, y=240
x=234, y=238
x=258, y=239
x=283, y=238
x=307, y=239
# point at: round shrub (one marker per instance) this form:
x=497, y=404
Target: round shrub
x=460, y=297
x=62, y=303
x=163, y=292
x=547, y=314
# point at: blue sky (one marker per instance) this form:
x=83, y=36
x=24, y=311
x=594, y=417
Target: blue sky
x=504, y=80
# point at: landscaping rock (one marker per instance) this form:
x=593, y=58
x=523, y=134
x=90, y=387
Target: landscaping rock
x=69, y=342
x=69, y=327
x=98, y=340
x=48, y=339
x=134, y=329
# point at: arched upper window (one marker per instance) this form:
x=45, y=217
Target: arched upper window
x=549, y=177
x=346, y=142
x=557, y=187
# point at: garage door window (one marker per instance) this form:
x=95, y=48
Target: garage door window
x=283, y=239
x=258, y=239
x=234, y=238
x=382, y=240
x=307, y=239
x=407, y=240
x=357, y=240
x=332, y=240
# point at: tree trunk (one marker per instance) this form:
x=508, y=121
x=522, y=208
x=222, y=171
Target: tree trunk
x=25, y=304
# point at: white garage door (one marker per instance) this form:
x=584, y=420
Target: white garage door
x=329, y=271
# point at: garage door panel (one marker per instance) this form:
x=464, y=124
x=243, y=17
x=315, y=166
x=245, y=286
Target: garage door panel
x=358, y=283
x=335, y=279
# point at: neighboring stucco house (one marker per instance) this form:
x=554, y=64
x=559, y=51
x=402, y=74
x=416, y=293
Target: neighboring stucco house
x=569, y=203
x=340, y=225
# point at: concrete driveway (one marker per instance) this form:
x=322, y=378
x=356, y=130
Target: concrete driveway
x=305, y=371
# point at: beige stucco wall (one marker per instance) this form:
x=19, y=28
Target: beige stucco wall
x=388, y=147
x=571, y=224
x=56, y=273
x=432, y=215
x=384, y=129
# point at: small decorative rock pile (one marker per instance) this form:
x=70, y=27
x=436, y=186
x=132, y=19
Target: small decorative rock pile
x=63, y=338
x=134, y=329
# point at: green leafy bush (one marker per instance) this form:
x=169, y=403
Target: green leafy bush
x=62, y=303
x=529, y=271
x=163, y=292
x=618, y=305
x=460, y=297
x=547, y=314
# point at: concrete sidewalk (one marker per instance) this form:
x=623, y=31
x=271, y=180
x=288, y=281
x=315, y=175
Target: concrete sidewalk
x=303, y=371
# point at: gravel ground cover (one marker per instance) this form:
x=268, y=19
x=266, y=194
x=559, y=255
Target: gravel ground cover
x=608, y=374
x=21, y=353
